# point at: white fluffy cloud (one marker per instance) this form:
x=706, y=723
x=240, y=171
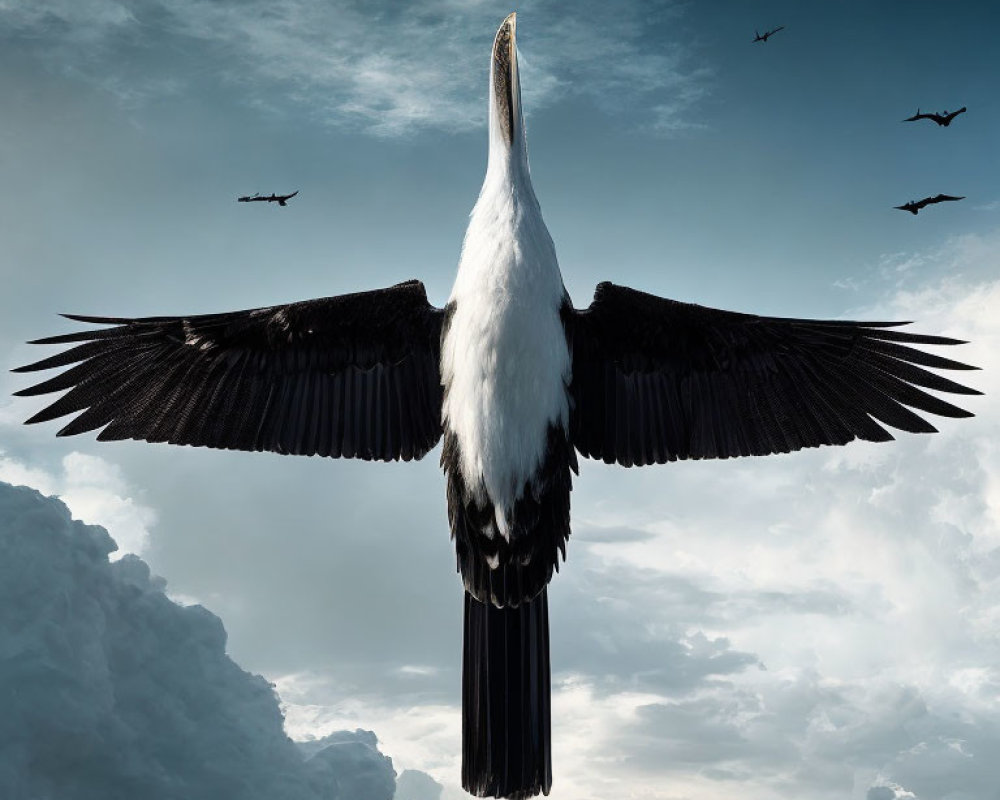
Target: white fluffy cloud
x=110, y=690
x=94, y=490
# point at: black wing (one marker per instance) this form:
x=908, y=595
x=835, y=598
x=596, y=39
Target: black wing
x=655, y=380
x=354, y=376
x=941, y=198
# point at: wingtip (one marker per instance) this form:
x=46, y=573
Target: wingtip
x=96, y=320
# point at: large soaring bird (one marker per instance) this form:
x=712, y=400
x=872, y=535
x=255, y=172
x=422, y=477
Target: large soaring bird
x=518, y=382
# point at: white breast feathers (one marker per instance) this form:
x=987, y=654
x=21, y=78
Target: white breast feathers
x=505, y=361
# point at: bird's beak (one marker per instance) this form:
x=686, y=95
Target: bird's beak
x=506, y=85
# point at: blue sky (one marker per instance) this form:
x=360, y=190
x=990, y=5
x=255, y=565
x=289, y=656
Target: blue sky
x=779, y=644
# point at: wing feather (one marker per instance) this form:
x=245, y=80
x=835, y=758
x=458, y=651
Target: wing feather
x=353, y=376
x=655, y=380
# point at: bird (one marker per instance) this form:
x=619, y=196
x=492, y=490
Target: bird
x=280, y=199
x=520, y=385
x=944, y=118
x=914, y=206
x=763, y=38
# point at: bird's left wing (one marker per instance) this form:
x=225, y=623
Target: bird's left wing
x=655, y=380
x=354, y=376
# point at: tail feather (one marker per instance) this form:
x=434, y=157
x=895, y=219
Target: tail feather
x=506, y=719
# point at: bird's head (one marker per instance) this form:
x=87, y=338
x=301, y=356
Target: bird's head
x=507, y=144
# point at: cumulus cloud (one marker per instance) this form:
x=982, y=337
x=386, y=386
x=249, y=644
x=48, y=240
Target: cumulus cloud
x=415, y=785
x=419, y=734
x=889, y=792
x=350, y=765
x=95, y=490
x=113, y=691
x=382, y=68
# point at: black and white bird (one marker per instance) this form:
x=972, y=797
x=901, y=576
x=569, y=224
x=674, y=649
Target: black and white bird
x=518, y=383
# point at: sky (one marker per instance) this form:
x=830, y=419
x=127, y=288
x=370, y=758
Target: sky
x=821, y=624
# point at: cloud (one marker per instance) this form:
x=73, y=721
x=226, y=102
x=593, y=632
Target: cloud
x=95, y=490
x=421, y=734
x=889, y=792
x=381, y=68
x=414, y=785
x=351, y=762
x=112, y=690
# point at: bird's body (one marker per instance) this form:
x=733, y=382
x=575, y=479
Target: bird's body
x=517, y=382
x=505, y=362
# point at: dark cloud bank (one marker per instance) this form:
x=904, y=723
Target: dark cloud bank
x=111, y=690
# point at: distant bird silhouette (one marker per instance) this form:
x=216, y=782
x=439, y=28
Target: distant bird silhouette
x=280, y=199
x=759, y=38
x=914, y=206
x=944, y=118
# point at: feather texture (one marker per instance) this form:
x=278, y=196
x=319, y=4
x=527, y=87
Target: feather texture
x=505, y=360
x=353, y=376
x=655, y=380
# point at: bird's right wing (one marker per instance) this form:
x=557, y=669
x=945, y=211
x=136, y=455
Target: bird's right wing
x=353, y=376
x=655, y=380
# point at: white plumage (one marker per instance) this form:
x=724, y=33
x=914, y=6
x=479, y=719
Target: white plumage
x=504, y=358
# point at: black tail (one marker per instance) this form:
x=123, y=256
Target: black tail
x=506, y=729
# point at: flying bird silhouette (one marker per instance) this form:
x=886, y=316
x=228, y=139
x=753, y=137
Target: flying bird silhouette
x=944, y=118
x=280, y=199
x=518, y=383
x=914, y=206
x=763, y=38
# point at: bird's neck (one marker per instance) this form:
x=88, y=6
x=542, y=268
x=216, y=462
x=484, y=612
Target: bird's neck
x=507, y=246
x=507, y=171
